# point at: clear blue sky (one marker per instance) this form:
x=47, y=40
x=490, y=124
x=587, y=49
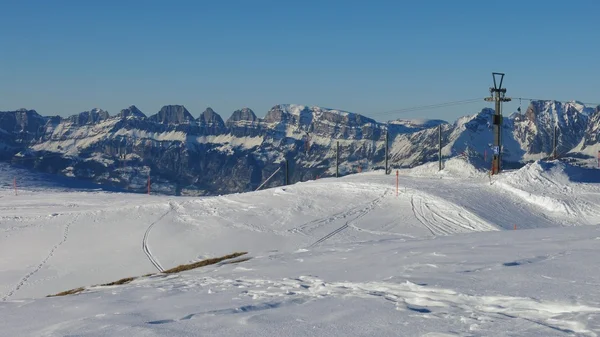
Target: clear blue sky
x=63, y=57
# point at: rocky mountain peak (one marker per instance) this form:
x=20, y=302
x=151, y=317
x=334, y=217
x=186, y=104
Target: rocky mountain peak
x=556, y=113
x=89, y=117
x=131, y=111
x=341, y=117
x=172, y=114
x=26, y=114
x=20, y=127
x=478, y=122
x=244, y=114
x=289, y=113
x=535, y=129
x=210, y=118
x=209, y=111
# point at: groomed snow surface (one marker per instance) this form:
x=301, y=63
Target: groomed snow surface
x=331, y=257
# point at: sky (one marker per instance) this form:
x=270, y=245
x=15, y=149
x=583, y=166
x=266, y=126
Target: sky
x=369, y=57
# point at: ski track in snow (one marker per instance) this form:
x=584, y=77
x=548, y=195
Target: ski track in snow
x=419, y=216
x=435, y=215
x=310, y=226
x=145, y=247
x=433, y=303
x=360, y=213
x=44, y=261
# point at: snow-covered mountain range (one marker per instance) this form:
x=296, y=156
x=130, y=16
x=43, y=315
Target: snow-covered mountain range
x=207, y=155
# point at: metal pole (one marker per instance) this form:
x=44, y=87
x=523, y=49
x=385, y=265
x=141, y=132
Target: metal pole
x=337, y=159
x=498, y=96
x=386, y=151
x=396, y=182
x=554, y=142
x=440, y=146
x=287, y=172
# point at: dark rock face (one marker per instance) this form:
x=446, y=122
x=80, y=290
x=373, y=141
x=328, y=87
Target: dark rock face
x=323, y=122
x=209, y=156
x=592, y=133
x=18, y=129
x=419, y=147
x=535, y=128
x=210, y=118
x=93, y=116
x=279, y=114
x=211, y=123
x=132, y=111
x=172, y=114
x=24, y=122
x=243, y=115
x=243, y=123
x=346, y=125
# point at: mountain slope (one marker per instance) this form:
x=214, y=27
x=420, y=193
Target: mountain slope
x=208, y=155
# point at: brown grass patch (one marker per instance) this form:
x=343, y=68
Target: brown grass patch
x=177, y=269
x=68, y=292
x=119, y=282
x=207, y=262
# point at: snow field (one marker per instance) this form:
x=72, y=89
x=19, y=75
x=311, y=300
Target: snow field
x=328, y=257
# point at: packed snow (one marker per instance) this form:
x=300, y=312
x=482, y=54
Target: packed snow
x=453, y=167
x=420, y=253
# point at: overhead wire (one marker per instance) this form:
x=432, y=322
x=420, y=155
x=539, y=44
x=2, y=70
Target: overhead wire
x=461, y=102
x=555, y=100
x=428, y=107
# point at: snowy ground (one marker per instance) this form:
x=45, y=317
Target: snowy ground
x=329, y=257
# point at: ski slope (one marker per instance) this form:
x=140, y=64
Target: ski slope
x=348, y=256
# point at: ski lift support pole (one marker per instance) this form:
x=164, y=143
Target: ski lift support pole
x=498, y=95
